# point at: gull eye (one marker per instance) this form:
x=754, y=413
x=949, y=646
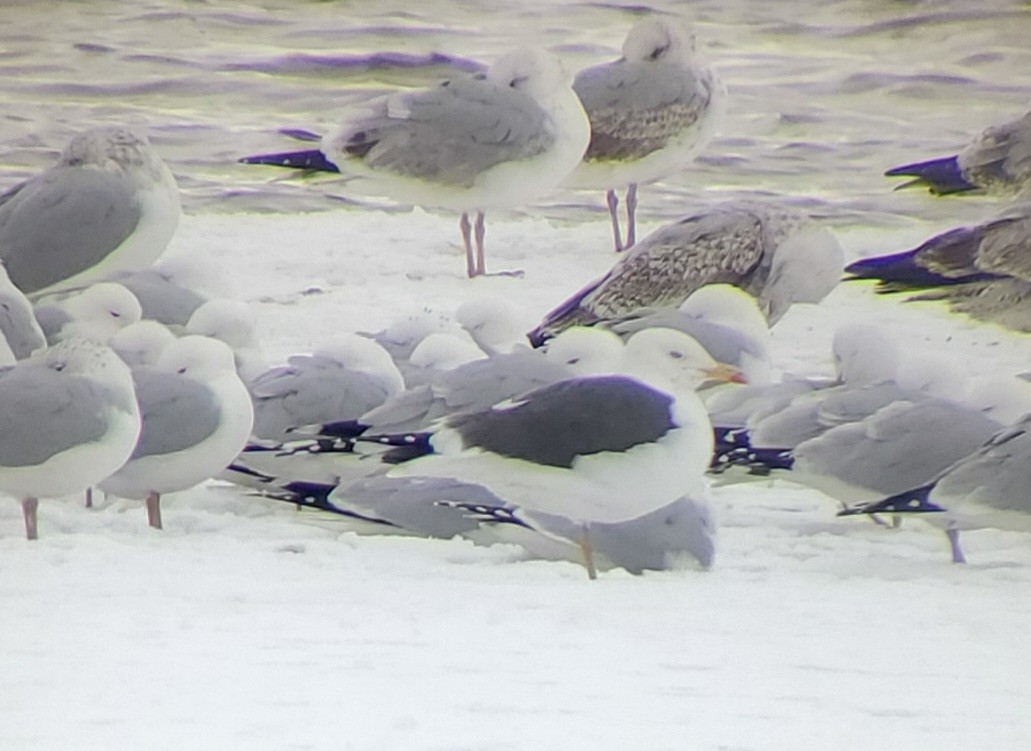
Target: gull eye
x=115, y=314
x=658, y=52
x=519, y=81
x=181, y=370
x=676, y=355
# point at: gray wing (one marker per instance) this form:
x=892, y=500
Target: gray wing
x=724, y=343
x=177, y=413
x=1000, y=158
x=413, y=503
x=451, y=133
x=312, y=390
x=411, y=410
x=997, y=475
x=18, y=324
x=51, y=320
x=636, y=107
x=44, y=413
x=481, y=384
x=160, y=298
x=64, y=221
x=845, y=405
x=902, y=446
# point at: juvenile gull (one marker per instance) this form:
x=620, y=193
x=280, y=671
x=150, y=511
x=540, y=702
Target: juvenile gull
x=998, y=162
x=772, y=252
x=109, y=204
x=70, y=419
x=651, y=112
x=470, y=144
x=196, y=416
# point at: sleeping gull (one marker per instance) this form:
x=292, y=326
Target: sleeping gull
x=772, y=252
x=196, y=416
x=988, y=488
x=998, y=162
x=141, y=343
x=109, y=204
x=651, y=112
x=70, y=419
x=97, y=312
x=231, y=322
x=470, y=144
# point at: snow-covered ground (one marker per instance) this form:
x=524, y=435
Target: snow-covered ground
x=245, y=624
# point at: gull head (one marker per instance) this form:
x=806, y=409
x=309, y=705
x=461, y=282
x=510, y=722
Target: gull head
x=198, y=357
x=536, y=73
x=111, y=148
x=674, y=361
x=657, y=39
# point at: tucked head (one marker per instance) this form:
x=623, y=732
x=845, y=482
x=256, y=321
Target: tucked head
x=197, y=357
x=864, y=354
x=230, y=321
x=107, y=304
x=586, y=350
x=108, y=147
x=657, y=39
x=535, y=72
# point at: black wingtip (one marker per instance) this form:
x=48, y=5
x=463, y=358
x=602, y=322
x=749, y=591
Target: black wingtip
x=915, y=501
x=941, y=176
x=313, y=160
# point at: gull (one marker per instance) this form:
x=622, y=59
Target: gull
x=70, y=420
x=231, y=322
x=109, y=204
x=592, y=449
x=773, y=252
x=196, y=416
x=987, y=488
x=494, y=141
x=651, y=112
x=983, y=271
x=998, y=162
x=97, y=312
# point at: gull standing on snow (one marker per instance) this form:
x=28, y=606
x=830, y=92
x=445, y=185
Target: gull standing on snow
x=998, y=162
x=773, y=252
x=988, y=488
x=109, y=204
x=651, y=112
x=196, y=416
x=70, y=419
x=470, y=144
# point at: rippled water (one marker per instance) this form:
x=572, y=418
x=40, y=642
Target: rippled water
x=824, y=95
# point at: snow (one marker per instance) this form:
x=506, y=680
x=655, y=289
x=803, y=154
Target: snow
x=246, y=624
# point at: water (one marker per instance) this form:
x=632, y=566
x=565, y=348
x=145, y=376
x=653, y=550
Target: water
x=824, y=95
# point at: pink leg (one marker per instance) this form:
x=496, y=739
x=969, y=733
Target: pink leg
x=481, y=233
x=29, y=506
x=957, y=553
x=631, y=214
x=613, y=202
x=154, y=510
x=470, y=262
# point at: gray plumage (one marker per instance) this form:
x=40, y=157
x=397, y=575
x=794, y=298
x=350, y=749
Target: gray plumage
x=413, y=503
x=177, y=413
x=311, y=390
x=997, y=476
x=638, y=107
x=473, y=386
x=18, y=324
x=901, y=446
x=725, y=344
x=71, y=408
x=51, y=318
x=556, y=424
x=161, y=298
x=452, y=133
x=771, y=252
x=999, y=160
x=68, y=207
